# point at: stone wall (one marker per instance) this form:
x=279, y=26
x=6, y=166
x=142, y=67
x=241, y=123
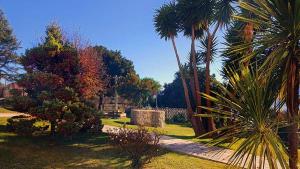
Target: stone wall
x=152, y=118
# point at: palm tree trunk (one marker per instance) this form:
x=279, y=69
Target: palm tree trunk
x=196, y=81
x=210, y=121
x=186, y=92
x=293, y=108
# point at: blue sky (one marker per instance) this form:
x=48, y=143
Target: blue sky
x=125, y=25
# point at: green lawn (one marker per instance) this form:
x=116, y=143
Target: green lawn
x=175, y=130
x=84, y=151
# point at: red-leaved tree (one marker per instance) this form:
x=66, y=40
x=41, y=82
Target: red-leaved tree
x=89, y=76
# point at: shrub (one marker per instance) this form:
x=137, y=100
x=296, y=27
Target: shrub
x=24, y=125
x=93, y=124
x=19, y=103
x=68, y=118
x=140, y=144
x=67, y=126
x=178, y=118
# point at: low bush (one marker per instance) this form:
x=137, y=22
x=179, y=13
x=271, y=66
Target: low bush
x=140, y=145
x=177, y=119
x=67, y=126
x=19, y=103
x=24, y=125
x=93, y=124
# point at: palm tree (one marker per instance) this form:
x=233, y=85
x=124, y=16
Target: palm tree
x=256, y=120
x=221, y=17
x=191, y=14
x=277, y=30
x=208, y=16
x=166, y=23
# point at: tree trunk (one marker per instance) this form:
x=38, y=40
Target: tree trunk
x=293, y=108
x=186, y=92
x=210, y=122
x=196, y=81
x=52, y=126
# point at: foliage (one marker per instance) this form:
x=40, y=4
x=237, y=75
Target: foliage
x=173, y=96
x=24, y=125
x=178, y=119
x=140, y=144
x=148, y=87
x=115, y=64
x=275, y=37
x=233, y=36
x=60, y=79
x=192, y=13
x=68, y=114
x=18, y=102
x=256, y=120
x=120, y=75
x=8, y=47
x=166, y=21
x=90, y=77
x=67, y=126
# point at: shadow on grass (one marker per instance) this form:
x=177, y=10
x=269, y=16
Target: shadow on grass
x=82, y=151
x=181, y=137
x=122, y=122
x=181, y=124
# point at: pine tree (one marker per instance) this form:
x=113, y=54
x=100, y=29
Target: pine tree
x=8, y=47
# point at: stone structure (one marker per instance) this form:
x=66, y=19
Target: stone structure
x=152, y=118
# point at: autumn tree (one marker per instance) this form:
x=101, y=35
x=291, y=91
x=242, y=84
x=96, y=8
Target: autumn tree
x=60, y=78
x=90, y=77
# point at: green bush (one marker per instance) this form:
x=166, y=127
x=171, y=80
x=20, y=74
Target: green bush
x=68, y=118
x=18, y=102
x=24, y=125
x=68, y=126
x=178, y=119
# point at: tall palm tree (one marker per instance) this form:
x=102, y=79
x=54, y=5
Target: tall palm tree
x=256, y=119
x=221, y=17
x=277, y=28
x=167, y=25
x=191, y=14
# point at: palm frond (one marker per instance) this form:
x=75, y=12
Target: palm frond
x=249, y=100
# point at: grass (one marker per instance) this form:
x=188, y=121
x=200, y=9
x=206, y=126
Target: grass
x=84, y=151
x=181, y=131
x=4, y=110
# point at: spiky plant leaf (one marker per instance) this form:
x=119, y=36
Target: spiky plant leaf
x=249, y=102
